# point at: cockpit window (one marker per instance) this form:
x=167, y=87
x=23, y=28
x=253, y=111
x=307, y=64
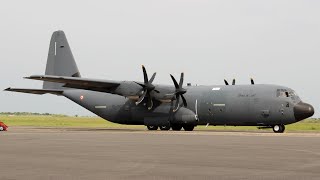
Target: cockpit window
x=287, y=93
x=292, y=94
x=282, y=93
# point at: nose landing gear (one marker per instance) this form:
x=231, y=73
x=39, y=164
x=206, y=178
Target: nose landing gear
x=278, y=128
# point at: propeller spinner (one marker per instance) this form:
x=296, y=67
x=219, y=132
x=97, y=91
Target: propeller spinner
x=147, y=88
x=179, y=92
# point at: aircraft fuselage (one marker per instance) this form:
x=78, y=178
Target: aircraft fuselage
x=239, y=105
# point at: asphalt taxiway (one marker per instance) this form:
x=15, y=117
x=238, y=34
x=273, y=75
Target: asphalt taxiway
x=48, y=153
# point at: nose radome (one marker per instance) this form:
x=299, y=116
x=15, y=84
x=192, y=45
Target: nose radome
x=303, y=111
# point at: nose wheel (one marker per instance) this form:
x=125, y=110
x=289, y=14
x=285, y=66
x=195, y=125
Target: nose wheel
x=279, y=128
x=188, y=127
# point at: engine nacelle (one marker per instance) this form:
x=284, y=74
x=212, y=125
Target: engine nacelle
x=185, y=116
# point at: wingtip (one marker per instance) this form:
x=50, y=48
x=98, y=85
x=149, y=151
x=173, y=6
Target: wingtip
x=7, y=89
x=34, y=77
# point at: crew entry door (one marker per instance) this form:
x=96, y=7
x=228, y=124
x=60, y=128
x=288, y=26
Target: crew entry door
x=213, y=107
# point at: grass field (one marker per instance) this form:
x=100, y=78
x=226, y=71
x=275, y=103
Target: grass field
x=96, y=122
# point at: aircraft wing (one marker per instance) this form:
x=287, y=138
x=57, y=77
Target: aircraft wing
x=79, y=83
x=36, y=91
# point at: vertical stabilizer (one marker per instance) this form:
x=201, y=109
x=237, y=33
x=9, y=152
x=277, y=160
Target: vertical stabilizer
x=60, y=60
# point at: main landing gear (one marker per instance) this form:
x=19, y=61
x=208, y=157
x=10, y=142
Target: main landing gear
x=164, y=128
x=174, y=128
x=279, y=128
x=152, y=128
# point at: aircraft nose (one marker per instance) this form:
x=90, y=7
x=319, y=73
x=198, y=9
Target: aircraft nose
x=303, y=111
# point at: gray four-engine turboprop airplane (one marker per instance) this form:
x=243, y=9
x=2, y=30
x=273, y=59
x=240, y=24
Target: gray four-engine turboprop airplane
x=176, y=107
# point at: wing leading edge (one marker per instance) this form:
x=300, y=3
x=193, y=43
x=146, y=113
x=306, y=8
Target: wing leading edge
x=79, y=83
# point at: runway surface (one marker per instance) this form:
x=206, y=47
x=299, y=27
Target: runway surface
x=33, y=153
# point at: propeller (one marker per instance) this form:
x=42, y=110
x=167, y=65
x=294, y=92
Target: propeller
x=233, y=82
x=147, y=88
x=179, y=92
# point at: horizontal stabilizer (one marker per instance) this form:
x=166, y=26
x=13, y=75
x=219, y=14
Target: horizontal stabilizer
x=79, y=83
x=36, y=91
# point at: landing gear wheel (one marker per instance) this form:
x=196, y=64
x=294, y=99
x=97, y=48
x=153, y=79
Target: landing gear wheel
x=165, y=128
x=176, y=127
x=188, y=127
x=279, y=128
x=152, y=128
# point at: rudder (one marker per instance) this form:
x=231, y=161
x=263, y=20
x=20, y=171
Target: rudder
x=60, y=60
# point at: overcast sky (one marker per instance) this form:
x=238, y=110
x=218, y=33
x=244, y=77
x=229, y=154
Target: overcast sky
x=276, y=42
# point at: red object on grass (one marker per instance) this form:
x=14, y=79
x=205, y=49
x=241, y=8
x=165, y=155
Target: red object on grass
x=5, y=127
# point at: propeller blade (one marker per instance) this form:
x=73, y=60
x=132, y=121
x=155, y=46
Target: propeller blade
x=152, y=78
x=234, y=82
x=145, y=75
x=150, y=102
x=226, y=82
x=141, y=98
x=184, y=101
x=252, y=81
x=196, y=108
x=156, y=91
x=176, y=106
x=142, y=85
x=181, y=80
x=175, y=82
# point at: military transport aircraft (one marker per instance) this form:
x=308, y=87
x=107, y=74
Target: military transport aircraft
x=166, y=107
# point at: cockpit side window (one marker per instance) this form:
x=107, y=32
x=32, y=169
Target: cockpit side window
x=283, y=93
x=280, y=93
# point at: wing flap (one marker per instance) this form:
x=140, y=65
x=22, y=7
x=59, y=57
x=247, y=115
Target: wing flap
x=36, y=91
